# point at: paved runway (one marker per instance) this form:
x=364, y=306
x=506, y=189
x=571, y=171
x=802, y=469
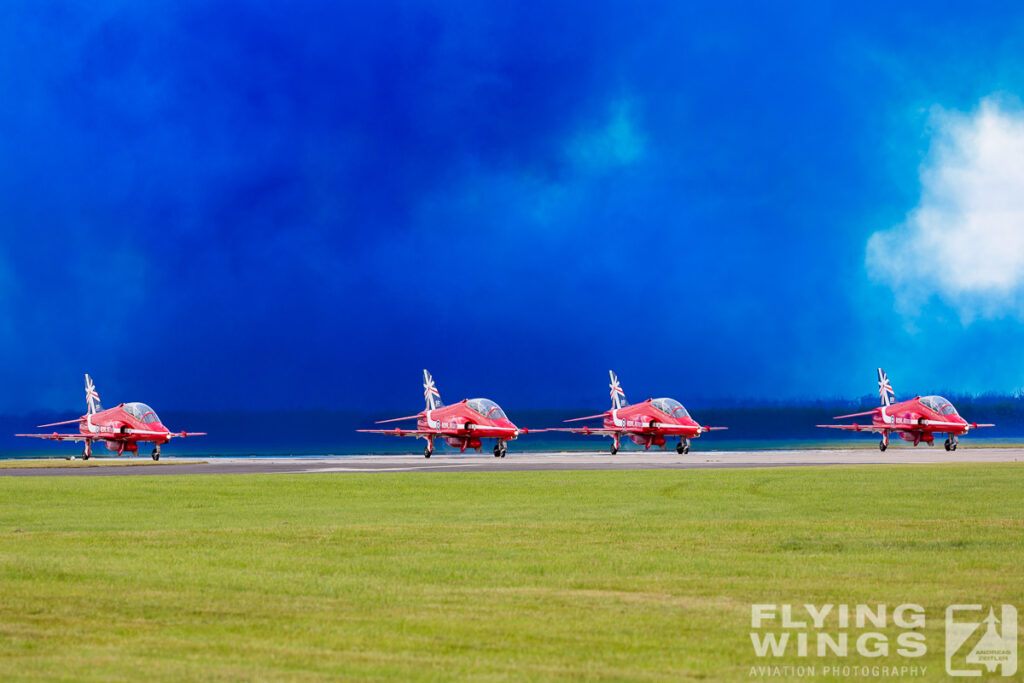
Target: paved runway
x=453, y=462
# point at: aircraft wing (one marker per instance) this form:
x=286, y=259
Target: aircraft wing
x=403, y=432
x=904, y=428
x=58, y=424
x=398, y=419
x=585, y=417
x=54, y=436
x=956, y=425
x=447, y=432
x=867, y=428
x=147, y=432
x=598, y=431
x=106, y=436
x=843, y=417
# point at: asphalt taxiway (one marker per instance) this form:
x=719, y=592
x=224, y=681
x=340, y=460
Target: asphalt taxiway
x=517, y=462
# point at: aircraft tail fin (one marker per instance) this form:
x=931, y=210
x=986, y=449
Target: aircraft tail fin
x=430, y=393
x=885, y=392
x=92, y=399
x=617, y=394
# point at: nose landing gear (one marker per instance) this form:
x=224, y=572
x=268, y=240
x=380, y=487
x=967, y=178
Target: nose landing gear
x=683, y=447
x=951, y=443
x=156, y=452
x=500, y=449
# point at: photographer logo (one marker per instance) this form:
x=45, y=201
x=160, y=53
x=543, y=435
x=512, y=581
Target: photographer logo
x=976, y=643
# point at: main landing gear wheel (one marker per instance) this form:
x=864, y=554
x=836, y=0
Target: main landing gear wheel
x=427, y=452
x=156, y=453
x=882, y=445
x=614, y=449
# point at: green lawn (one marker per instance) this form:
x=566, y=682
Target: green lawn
x=485, y=575
x=35, y=463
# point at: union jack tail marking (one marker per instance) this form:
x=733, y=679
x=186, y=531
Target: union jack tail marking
x=92, y=399
x=430, y=393
x=617, y=394
x=885, y=392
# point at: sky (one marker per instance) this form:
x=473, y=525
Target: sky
x=295, y=205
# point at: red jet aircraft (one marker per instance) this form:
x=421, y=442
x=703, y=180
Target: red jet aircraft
x=918, y=419
x=463, y=425
x=120, y=428
x=648, y=423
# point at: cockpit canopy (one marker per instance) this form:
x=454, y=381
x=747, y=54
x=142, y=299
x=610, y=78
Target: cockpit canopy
x=141, y=412
x=939, y=405
x=670, y=407
x=487, y=408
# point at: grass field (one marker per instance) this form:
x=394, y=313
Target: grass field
x=36, y=463
x=536, y=575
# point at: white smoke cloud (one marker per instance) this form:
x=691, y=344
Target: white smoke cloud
x=964, y=241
